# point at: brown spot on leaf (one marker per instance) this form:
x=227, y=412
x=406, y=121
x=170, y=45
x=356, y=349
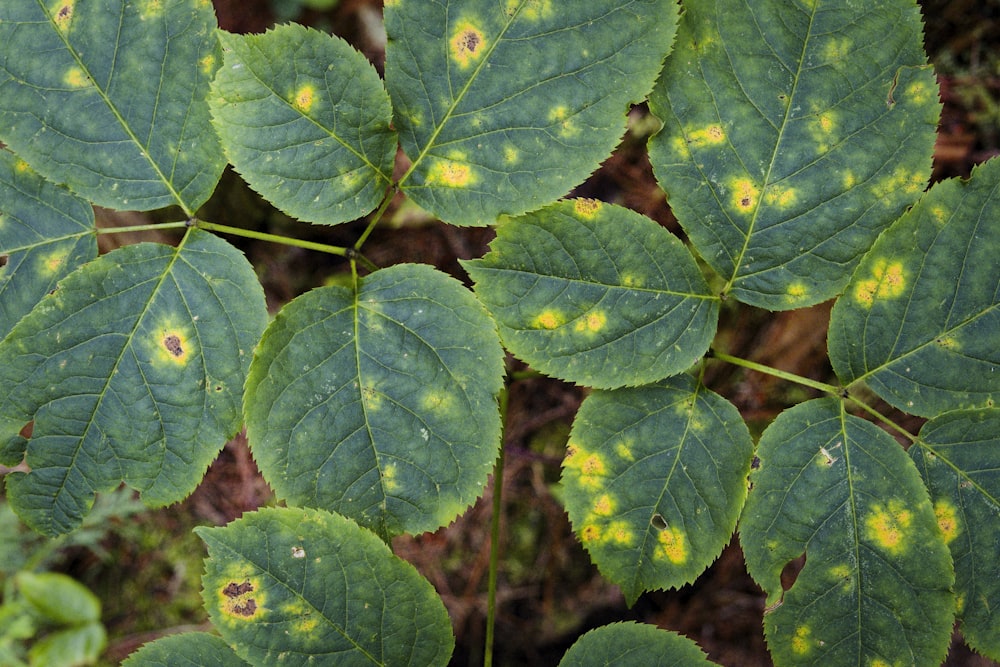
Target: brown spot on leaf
x=246, y=609
x=173, y=345
x=234, y=590
x=469, y=40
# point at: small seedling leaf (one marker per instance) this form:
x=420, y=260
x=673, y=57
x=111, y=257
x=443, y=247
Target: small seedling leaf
x=841, y=492
x=305, y=120
x=302, y=587
x=794, y=133
x=108, y=98
x=654, y=480
x=596, y=294
x=504, y=106
x=379, y=402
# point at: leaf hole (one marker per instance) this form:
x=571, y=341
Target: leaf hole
x=658, y=522
x=791, y=571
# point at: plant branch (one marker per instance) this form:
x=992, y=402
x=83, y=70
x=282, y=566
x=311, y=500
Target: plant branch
x=784, y=375
x=491, y=596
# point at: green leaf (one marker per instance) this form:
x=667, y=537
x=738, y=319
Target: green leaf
x=596, y=294
x=302, y=587
x=45, y=233
x=59, y=598
x=132, y=371
x=305, y=120
x=72, y=647
x=654, y=480
x=109, y=98
x=794, y=132
x=876, y=585
x=380, y=402
x=958, y=456
x=188, y=649
x=503, y=107
x=633, y=644
x=920, y=322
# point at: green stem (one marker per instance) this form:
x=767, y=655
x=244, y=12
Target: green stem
x=143, y=228
x=784, y=375
x=491, y=596
x=882, y=418
x=376, y=218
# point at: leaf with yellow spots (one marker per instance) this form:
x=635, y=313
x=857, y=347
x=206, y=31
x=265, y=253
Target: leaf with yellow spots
x=920, y=322
x=109, y=98
x=633, y=644
x=877, y=577
x=534, y=97
x=379, y=401
x=659, y=524
x=782, y=160
x=45, y=233
x=596, y=294
x=187, y=649
x=305, y=119
x=958, y=456
x=131, y=371
x=292, y=620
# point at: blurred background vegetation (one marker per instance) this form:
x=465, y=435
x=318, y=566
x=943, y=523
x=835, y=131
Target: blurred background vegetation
x=145, y=566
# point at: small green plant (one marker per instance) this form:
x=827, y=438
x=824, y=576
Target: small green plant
x=795, y=150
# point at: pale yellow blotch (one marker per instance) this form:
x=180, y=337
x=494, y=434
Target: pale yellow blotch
x=207, y=64
x=849, y=179
x=918, y=92
x=21, y=166
x=888, y=281
x=843, y=574
x=75, y=78
x=593, y=465
x=680, y=147
x=150, y=8
x=62, y=14
x=801, y=644
x=959, y=603
x=590, y=533
x=780, y=197
x=304, y=97
x=548, y=319
x=949, y=343
x=604, y=506
x=672, y=545
x=878, y=662
x=389, y=482
x=592, y=323
x=628, y=280
x=624, y=450
x=940, y=214
x=511, y=155
x=837, y=48
x=434, y=400
x=887, y=526
x=900, y=180
x=558, y=113
x=586, y=208
x=711, y=135
x=53, y=262
x=531, y=10
x=826, y=122
x=745, y=195
x=947, y=520
x=467, y=44
x=796, y=291
x=451, y=174
x=620, y=533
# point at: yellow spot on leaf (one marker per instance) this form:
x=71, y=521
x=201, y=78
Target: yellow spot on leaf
x=150, y=8
x=75, y=78
x=940, y=214
x=548, y=319
x=887, y=526
x=467, y=44
x=586, y=208
x=672, y=545
x=947, y=343
x=593, y=322
x=888, y=281
x=173, y=345
x=21, y=166
x=826, y=123
x=781, y=197
x=304, y=98
x=796, y=291
x=531, y=10
x=843, y=574
x=918, y=92
x=850, y=180
x=590, y=533
x=389, y=482
x=619, y=533
x=801, y=643
x=711, y=135
x=745, y=195
x=604, y=506
x=435, y=400
x=680, y=147
x=511, y=155
x=593, y=465
x=451, y=174
x=53, y=262
x=624, y=450
x=207, y=64
x=837, y=48
x=947, y=520
x=62, y=14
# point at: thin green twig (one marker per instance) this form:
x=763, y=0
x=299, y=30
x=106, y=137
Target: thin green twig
x=784, y=375
x=491, y=596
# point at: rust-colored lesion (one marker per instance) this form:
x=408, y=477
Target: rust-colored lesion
x=239, y=602
x=173, y=344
